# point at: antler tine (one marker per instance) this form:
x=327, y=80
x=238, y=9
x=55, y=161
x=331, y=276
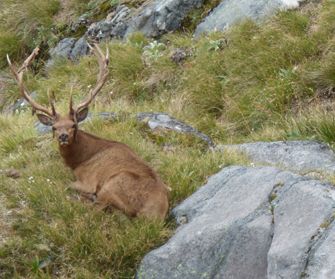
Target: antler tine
x=52, y=102
x=18, y=75
x=103, y=61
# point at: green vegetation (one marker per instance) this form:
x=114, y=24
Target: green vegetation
x=56, y=233
x=274, y=81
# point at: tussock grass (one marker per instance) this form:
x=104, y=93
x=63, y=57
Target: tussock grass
x=254, y=82
x=25, y=24
x=313, y=124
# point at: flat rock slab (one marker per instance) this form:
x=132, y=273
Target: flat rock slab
x=230, y=12
x=249, y=223
x=304, y=157
x=158, y=120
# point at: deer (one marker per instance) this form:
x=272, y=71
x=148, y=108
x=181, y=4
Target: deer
x=107, y=172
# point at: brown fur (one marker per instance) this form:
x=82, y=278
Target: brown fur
x=112, y=172
x=107, y=170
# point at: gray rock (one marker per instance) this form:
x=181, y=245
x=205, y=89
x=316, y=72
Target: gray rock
x=246, y=223
x=21, y=104
x=42, y=129
x=179, y=55
x=80, y=48
x=82, y=22
x=156, y=120
x=161, y=16
x=230, y=12
x=63, y=48
x=298, y=215
x=115, y=25
x=303, y=157
x=68, y=48
x=321, y=262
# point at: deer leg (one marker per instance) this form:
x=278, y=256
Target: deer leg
x=109, y=197
x=82, y=188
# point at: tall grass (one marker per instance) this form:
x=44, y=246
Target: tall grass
x=25, y=24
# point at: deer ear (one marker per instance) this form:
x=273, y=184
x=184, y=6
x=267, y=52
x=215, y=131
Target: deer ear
x=44, y=119
x=82, y=114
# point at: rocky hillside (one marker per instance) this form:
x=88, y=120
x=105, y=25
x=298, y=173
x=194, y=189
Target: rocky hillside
x=243, y=89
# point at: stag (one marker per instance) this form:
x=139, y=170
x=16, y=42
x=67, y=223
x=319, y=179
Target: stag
x=107, y=171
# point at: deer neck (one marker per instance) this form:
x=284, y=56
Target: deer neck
x=82, y=149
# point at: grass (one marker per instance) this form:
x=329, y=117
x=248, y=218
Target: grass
x=255, y=82
x=26, y=24
x=55, y=234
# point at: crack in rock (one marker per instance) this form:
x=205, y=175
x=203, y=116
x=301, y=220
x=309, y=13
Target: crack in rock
x=322, y=235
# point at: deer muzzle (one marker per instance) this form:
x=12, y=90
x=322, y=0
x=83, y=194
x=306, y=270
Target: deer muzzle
x=63, y=139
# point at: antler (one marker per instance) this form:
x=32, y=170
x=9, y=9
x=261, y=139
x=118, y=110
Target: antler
x=103, y=61
x=18, y=75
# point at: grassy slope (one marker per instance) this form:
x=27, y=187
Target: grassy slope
x=267, y=82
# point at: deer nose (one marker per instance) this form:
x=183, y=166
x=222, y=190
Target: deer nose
x=63, y=137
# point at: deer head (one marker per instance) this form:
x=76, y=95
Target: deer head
x=64, y=126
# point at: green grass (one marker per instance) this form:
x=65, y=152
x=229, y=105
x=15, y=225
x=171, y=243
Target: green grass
x=255, y=82
x=26, y=24
x=70, y=237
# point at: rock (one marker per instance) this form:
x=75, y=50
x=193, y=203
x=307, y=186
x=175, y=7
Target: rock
x=179, y=55
x=41, y=128
x=21, y=104
x=164, y=121
x=63, y=48
x=247, y=223
x=230, y=12
x=79, y=49
x=322, y=259
x=82, y=22
x=161, y=16
x=115, y=25
x=303, y=157
x=69, y=48
x=13, y=173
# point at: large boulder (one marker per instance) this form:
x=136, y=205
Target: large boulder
x=161, y=16
x=304, y=157
x=249, y=223
x=230, y=12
